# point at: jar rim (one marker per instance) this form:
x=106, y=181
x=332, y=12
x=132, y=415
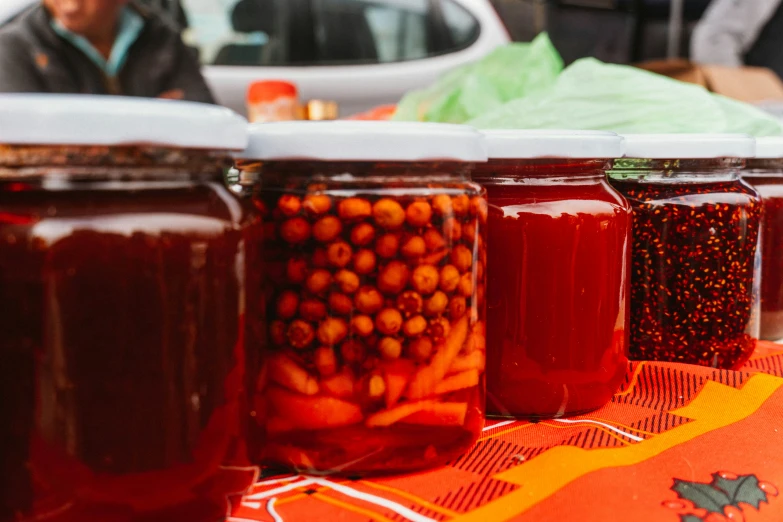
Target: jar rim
x=90, y=120
x=93, y=161
x=769, y=147
x=689, y=146
x=364, y=141
x=554, y=144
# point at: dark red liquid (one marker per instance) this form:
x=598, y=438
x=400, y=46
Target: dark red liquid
x=557, y=288
x=694, y=271
x=121, y=312
x=771, y=189
x=390, y=412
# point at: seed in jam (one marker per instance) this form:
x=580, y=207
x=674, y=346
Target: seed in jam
x=694, y=256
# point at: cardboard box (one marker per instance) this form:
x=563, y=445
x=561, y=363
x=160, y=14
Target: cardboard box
x=748, y=84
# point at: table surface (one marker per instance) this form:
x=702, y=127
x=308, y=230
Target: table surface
x=677, y=443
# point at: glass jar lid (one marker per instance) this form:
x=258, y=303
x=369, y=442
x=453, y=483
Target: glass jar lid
x=87, y=120
x=689, y=146
x=537, y=144
x=770, y=147
x=364, y=141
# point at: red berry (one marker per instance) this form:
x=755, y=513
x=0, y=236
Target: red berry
x=768, y=488
x=734, y=514
x=727, y=475
x=715, y=517
x=673, y=504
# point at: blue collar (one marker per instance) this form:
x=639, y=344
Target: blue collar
x=129, y=26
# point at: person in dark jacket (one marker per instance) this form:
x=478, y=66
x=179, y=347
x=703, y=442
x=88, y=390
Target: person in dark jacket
x=98, y=47
x=741, y=32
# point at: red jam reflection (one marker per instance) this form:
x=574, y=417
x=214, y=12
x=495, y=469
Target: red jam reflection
x=122, y=353
x=557, y=326
x=769, y=183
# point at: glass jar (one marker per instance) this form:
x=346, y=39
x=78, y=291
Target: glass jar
x=123, y=289
x=765, y=174
x=272, y=100
x=558, y=238
x=695, y=254
x=375, y=258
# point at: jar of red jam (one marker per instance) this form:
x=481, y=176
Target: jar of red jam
x=695, y=254
x=123, y=290
x=375, y=256
x=557, y=288
x=765, y=173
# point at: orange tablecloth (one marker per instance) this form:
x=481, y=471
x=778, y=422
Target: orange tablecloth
x=678, y=443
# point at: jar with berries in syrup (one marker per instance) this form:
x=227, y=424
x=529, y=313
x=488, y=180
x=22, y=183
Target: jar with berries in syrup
x=374, y=254
x=695, y=256
x=765, y=174
x=123, y=290
x=557, y=291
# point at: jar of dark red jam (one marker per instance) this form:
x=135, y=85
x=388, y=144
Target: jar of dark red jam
x=557, y=288
x=122, y=292
x=765, y=173
x=695, y=255
x=374, y=249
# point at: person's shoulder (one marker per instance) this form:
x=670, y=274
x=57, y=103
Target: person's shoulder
x=22, y=30
x=157, y=24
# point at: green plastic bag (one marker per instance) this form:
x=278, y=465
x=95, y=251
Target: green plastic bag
x=592, y=95
x=508, y=73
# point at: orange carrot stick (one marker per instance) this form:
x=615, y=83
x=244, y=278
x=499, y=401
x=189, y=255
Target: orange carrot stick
x=312, y=413
x=286, y=372
x=456, y=382
x=450, y=347
x=433, y=259
x=424, y=382
x=477, y=340
x=395, y=386
x=398, y=373
x=388, y=417
x=473, y=361
x=339, y=385
x=440, y=414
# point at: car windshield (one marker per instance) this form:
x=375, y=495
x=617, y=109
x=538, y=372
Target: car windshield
x=312, y=32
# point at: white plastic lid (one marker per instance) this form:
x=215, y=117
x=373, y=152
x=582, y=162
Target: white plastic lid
x=689, y=146
x=364, y=141
x=530, y=144
x=770, y=147
x=57, y=119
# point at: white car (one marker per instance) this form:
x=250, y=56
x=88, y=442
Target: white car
x=359, y=53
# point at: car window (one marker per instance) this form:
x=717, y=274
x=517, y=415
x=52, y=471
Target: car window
x=397, y=34
x=314, y=32
x=463, y=27
x=235, y=32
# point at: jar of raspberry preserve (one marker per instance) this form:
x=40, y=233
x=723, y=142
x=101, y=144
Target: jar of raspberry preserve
x=375, y=256
x=123, y=290
x=557, y=288
x=695, y=254
x=765, y=173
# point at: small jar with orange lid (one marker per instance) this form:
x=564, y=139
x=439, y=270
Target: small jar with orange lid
x=272, y=100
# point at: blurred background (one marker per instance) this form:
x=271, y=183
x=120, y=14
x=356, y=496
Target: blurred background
x=365, y=53
x=617, y=31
